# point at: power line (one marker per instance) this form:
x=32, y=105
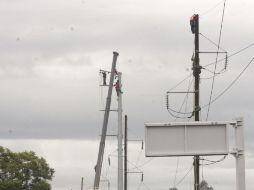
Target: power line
x=170, y=110
x=215, y=66
x=186, y=98
x=231, y=84
x=135, y=167
x=226, y=58
x=139, y=185
x=179, y=83
x=187, y=173
x=211, y=9
x=231, y=55
x=146, y=186
x=179, y=112
x=145, y=163
x=212, y=42
x=214, y=161
x=185, y=109
x=177, y=164
x=139, y=166
x=216, y=73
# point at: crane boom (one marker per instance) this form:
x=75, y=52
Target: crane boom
x=98, y=166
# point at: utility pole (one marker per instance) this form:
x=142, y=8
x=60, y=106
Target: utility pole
x=98, y=165
x=120, y=133
x=196, y=73
x=125, y=152
x=82, y=181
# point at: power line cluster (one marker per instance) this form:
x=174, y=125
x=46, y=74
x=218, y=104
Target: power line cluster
x=205, y=68
x=179, y=114
x=210, y=162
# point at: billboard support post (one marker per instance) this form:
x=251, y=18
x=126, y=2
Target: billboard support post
x=239, y=155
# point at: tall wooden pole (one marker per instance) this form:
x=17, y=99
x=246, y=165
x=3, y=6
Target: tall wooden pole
x=196, y=73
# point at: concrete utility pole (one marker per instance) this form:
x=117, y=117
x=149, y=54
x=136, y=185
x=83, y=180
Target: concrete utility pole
x=125, y=152
x=120, y=134
x=105, y=124
x=196, y=73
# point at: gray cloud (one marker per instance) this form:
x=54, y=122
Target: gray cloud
x=51, y=52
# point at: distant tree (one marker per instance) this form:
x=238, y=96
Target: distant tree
x=23, y=171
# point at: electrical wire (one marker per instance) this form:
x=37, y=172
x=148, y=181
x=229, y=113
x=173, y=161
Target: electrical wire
x=177, y=164
x=223, y=59
x=212, y=161
x=170, y=110
x=230, y=85
x=179, y=112
x=211, y=9
x=217, y=73
x=139, y=156
x=215, y=66
x=178, y=158
x=139, y=166
x=210, y=71
x=231, y=55
x=146, y=186
x=202, y=169
x=208, y=39
x=215, y=161
x=186, y=98
x=176, y=117
x=139, y=185
x=181, y=180
x=180, y=83
x=185, y=109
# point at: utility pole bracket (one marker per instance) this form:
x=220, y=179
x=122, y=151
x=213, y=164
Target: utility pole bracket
x=237, y=152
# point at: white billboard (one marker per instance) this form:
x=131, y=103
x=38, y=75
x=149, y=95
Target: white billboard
x=186, y=139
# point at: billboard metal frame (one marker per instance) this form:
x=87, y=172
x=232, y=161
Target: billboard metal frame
x=238, y=149
x=185, y=125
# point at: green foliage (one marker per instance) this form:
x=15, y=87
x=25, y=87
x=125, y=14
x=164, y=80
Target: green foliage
x=23, y=171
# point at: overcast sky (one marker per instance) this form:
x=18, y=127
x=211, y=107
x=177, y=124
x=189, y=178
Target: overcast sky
x=51, y=53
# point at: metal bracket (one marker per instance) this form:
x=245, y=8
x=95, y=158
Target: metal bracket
x=237, y=152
